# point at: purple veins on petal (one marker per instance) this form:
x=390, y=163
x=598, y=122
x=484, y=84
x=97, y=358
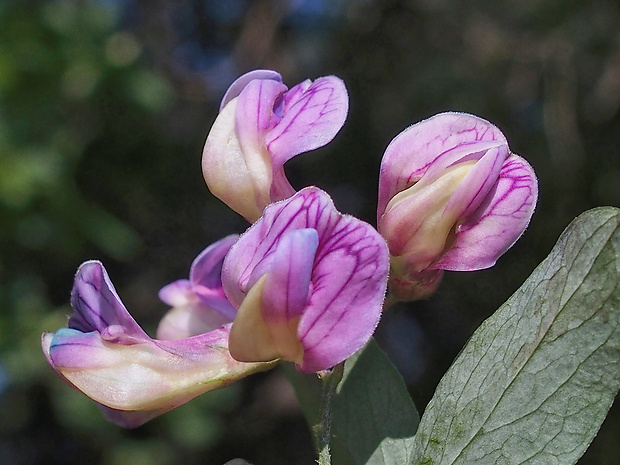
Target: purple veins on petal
x=347, y=279
x=309, y=121
x=107, y=356
x=97, y=305
x=413, y=151
x=252, y=256
x=451, y=197
x=477, y=183
x=266, y=325
x=254, y=114
x=262, y=125
x=496, y=226
x=347, y=298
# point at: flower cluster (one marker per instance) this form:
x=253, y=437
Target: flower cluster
x=305, y=283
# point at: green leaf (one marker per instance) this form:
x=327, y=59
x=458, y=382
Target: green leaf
x=373, y=417
x=373, y=411
x=536, y=380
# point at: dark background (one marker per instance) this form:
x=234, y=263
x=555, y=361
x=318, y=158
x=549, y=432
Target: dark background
x=104, y=108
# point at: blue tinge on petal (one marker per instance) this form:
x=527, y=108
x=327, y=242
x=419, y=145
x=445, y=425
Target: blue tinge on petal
x=107, y=356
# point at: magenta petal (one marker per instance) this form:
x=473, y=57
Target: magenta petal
x=498, y=223
x=78, y=350
x=107, y=356
x=280, y=186
x=236, y=87
x=310, y=120
x=477, y=184
x=199, y=304
x=177, y=293
x=260, y=126
x=206, y=276
x=189, y=320
x=349, y=284
x=206, y=268
x=348, y=280
x=410, y=154
x=254, y=115
x=294, y=94
x=287, y=287
x=266, y=325
x=251, y=256
x=473, y=151
x=97, y=305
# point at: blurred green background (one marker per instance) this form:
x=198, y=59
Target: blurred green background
x=104, y=108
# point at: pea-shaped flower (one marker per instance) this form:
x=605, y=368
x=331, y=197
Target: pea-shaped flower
x=261, y=125
x=105, y=354
x=198, y=303
x=451, y=197
x=308, y=283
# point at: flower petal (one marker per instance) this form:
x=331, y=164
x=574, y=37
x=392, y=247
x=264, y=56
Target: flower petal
x=348, y=280
x=410, y=154
x=311, y=118
x=199, y=304
x=99, y=308
x=280, y=186
x=235, y=162
x=224, y=166
x=349, y=284
x=255, y=117
x=236, y=87
x=129, y=418
x=287, y=290
x=288, y=282
x=260, y=126
x=206, y=268
x=250, y=338
x=151, y=375
x=177, y=293
x=416, y=224
x=472, y=191
x=106, y=355
x=251, y=256
x=189, y=320
x=498, y=223
x=266, y=324
x=206, y=276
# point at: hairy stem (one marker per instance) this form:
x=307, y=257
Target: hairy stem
x=330, y=379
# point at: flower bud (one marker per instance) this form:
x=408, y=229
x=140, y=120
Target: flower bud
x=261, y=125
x=451, y=197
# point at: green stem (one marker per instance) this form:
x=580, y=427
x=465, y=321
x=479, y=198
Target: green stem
x=330, y=380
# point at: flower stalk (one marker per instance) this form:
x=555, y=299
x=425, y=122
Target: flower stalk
x=323, y=430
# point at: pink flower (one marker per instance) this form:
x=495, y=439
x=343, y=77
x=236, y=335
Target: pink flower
x=308, y=283
x=451, y=197
x=199, y=304
x=105, y=354
x=261, y=125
